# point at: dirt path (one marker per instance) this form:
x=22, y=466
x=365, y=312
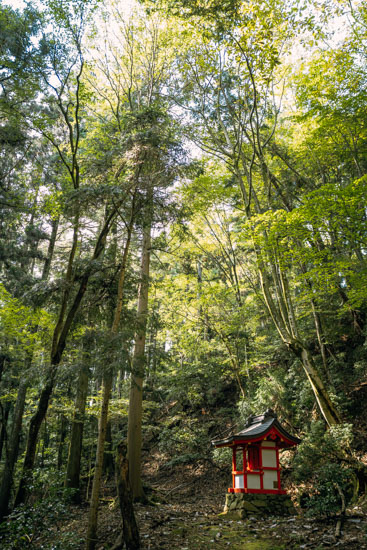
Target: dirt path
x=187, y=517
x=184, y=515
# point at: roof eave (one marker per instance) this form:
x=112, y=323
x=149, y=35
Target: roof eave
x=287, y=438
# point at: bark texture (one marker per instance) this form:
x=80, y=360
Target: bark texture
x=93, y=511
x=75, y=448
x=129, y=526
x=106, y=392
x=134, y=436
x=34, y=428
x=11, y=457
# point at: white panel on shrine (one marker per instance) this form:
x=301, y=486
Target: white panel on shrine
x=253, y=481
x=269, y=458
x=238, y=482
x=270, y=479
x=268, y=443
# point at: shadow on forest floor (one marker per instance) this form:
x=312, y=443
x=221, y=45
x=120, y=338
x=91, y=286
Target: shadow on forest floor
x=184, y=515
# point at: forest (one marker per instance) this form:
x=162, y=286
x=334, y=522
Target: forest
x=183, y=244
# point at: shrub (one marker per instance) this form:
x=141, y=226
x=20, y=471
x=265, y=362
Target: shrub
x=322, y=466
x=26, y=523
x=332, y=484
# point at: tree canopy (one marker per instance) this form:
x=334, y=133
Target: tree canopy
x=183, y=228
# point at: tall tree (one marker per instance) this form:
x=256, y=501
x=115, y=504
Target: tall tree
x=66, y=100
x=230, y=96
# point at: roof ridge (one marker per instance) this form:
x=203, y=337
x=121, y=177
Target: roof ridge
x=258, y=425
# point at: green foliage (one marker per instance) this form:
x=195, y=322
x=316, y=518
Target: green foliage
x=268, y=250
x=19, y=320
x=184, y=440
x=331, y=484
x=18, y=49
x=222, y=457
x=27, y=524
x=321, y=465
x=320, y=241
x=319, y=445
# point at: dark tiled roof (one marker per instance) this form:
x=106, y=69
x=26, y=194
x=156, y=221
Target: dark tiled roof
x=257, y=426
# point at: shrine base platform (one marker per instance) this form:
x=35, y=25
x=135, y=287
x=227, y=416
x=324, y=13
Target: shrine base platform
x=242, y=505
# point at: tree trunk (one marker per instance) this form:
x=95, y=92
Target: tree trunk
x=93, y=511
x=50, y=251
x=45, y=440
x=106, y=391
x=60, y=450
x=61, y=332
x=108, y=462
x=4, y=425
x=11, y=457
x=129, y=526
x=285, y=323
x=134, y=437
x=34, y=428
x=327, y=408
x=321, y=341
x=72, y=479
x=3, y=359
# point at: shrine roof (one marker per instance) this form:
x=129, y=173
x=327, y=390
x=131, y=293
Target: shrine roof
x=257, y=428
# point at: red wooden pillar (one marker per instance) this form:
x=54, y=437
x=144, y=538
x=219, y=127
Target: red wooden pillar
x=244, y=468
x=234, y=465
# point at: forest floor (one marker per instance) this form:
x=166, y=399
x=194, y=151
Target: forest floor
x=184, y=515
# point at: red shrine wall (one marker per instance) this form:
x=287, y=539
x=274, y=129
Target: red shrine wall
x=256, y=469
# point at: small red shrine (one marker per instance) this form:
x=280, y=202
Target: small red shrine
x=255, y=462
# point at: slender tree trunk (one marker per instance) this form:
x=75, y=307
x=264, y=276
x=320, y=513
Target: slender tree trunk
x=106, y=391
x=4, y=426
x=3, y=360
x=108, y=462
x=50, y=251
x=45, y=440
x=234, y=361
x=34, y=428
x=327, y=408
x=60, y=450
x=7, y=477
x=61, y=332
x=129, y=526
x=75, y=447
x=321, y=341
x=134, y=437
x=93, y=511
